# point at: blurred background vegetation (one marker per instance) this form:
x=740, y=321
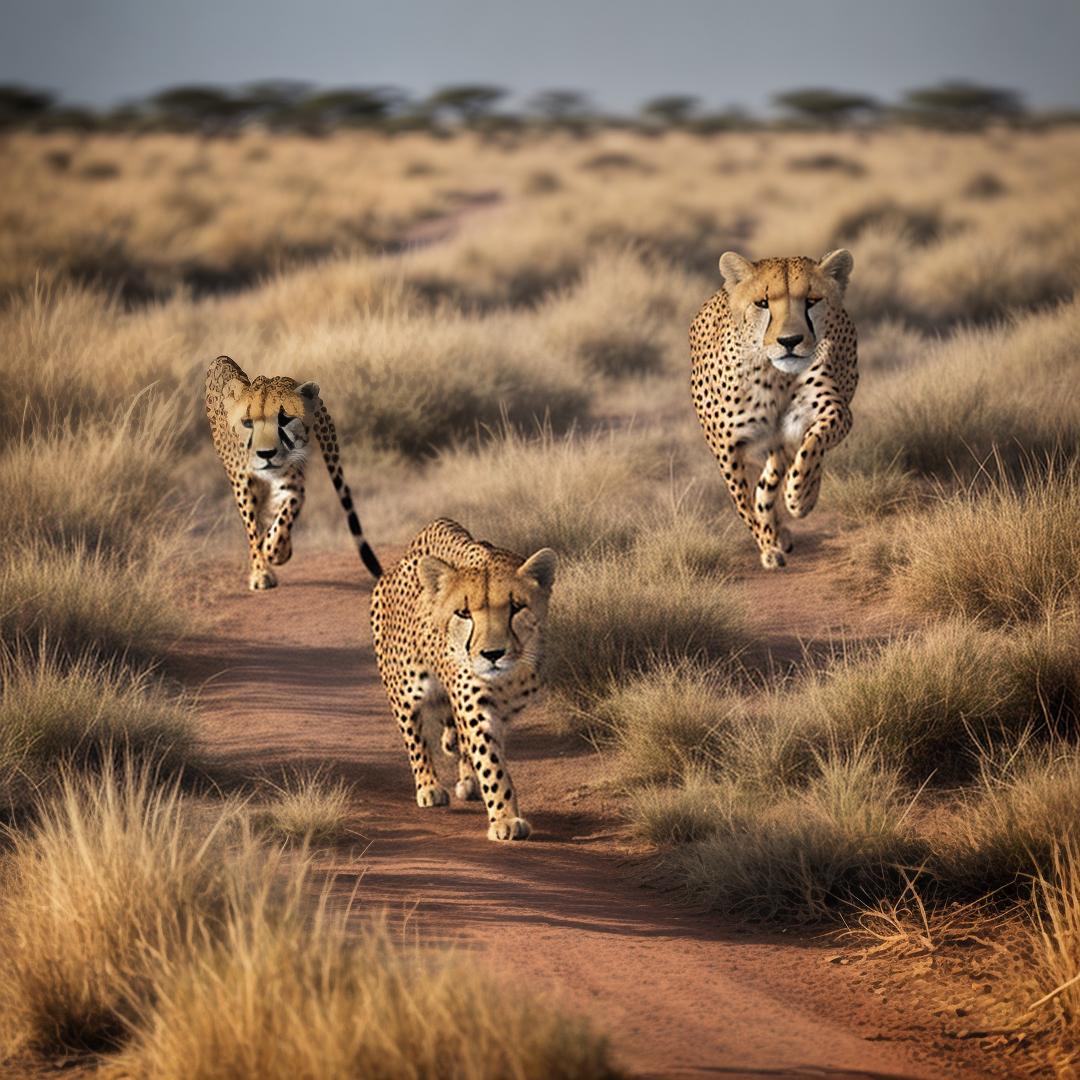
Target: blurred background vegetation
x=286, y=105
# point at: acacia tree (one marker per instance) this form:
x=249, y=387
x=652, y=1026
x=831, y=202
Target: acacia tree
x=209, y=109
x=21, y=105
x=670, y=110
x=361, y=106
x=469, y=102
x=828, y=108
x=961, y=105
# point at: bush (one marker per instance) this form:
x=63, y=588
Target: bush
x=81, y=602
x=996, y=553
x=931, y=703
x=193, y=951
x=305, y=806
x=809, y=854
x=55, y=715
x=668, y=723
x=415, y=382
x=609, y=622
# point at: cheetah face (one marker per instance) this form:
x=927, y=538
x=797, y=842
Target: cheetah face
x=273, y=423
x=782, y=303
x=493, y=618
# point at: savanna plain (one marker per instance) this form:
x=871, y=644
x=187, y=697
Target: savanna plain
x=871, y=753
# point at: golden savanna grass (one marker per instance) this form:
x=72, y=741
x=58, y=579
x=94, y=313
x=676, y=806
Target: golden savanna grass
x=137, y=922
x=499, y=331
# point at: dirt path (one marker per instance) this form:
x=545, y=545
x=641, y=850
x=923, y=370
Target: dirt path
x=288, y=677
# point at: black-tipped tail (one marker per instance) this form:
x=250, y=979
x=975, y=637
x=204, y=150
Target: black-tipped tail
x=370, y=561
x=368, y=556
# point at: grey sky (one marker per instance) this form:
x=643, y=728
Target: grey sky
x=103, y=51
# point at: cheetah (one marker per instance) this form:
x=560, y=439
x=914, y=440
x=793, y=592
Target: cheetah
x=458, y=628
x=262, y=432
x=773, y=374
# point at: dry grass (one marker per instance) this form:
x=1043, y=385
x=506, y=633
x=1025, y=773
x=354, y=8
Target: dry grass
x=612, y=621
x=987, y=396
x=805, y=855
x=671, y=723
x=345, y=1003
x=1056, y=998
x=61, y=715
x=521, y=367
x=80, y=601
x=175, y=941
x=996, y=552
x=309, y=807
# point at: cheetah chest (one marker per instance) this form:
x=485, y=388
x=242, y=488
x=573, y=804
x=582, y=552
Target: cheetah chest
x=774, y=412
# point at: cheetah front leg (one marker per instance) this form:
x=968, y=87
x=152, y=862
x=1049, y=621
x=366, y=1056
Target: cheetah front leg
x=483, y=732
x=429, y=792
x=453, y=746
x=803, y=482
x=766, y=494
x=736, y=475
x=260, y=576
x=287, y=500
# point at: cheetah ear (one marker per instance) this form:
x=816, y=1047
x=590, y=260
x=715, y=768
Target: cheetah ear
x=837, y=264
x=309, y=390
x=540, y=567
x=433, y=574
x=735, y=267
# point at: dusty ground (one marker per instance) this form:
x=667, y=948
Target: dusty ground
x=288, y=678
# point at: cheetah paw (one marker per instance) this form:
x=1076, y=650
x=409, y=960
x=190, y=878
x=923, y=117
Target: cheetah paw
x=431, y=795
x=262, y=579
x=784, y=541
x=511, y=828
x=772, y=559
x=467, y=789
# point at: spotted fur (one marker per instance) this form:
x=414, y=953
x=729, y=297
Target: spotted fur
x=262, y=431
x=773, y=374
x=458, y=631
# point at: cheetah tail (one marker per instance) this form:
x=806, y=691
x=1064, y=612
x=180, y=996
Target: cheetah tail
x=327, y=436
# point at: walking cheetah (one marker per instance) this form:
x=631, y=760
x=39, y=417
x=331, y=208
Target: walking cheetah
x=773, y=373
x=262, y=432
x=458, y=629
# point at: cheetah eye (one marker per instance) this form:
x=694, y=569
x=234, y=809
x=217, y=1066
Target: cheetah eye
x=247, y=423
x=812, y=300
x=463, y=613
x=763, y=304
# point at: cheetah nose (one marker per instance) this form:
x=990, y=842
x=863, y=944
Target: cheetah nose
x=492, y=655
x=266, y=455
x=790, y=341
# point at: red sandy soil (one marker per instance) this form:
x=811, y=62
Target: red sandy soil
x=288, y=679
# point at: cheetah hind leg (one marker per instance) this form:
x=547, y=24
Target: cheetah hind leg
x=466, y=787
x=449, y=741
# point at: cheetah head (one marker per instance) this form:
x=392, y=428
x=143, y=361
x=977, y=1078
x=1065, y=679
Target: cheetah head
x=494, y=616
x=781, y=303
x=272, y=419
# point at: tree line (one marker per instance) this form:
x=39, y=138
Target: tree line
x=293, y=106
